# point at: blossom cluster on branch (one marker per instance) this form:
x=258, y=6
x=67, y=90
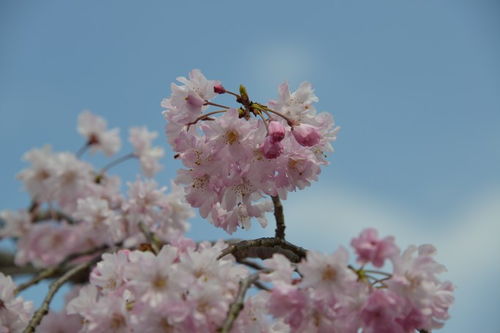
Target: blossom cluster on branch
x=133, y=269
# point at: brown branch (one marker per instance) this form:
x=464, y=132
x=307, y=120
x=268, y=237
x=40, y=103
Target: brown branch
x=54, y=287
x=264, y=248
x=51, y=214
x=238, y=303
x=280, y=218
x=8, y=266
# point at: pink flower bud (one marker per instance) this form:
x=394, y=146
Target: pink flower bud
x=306, y=135
x=276, y=131
x=219, y=89
x=271, y=149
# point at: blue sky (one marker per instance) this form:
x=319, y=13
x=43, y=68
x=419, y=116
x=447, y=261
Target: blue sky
x=414, y=85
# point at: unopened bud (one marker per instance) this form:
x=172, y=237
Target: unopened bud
x=306, y=135
x=219, y=89
x=276, y=131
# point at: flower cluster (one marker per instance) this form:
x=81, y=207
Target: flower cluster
x=134, y=270
x=329, y=295
x=76, y=207
x=252, y=151
x=186, y=288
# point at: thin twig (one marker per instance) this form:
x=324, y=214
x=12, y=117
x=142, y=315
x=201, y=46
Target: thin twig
x=51, y=271
x=54, y=287
x=377, y=272
x=83, y=149
x=233, y=93
x=280, y=218
x=238, y=303
x=115, y=162
x=215, y=104
x=204, y=117
x=42, y=275
x=289, y=121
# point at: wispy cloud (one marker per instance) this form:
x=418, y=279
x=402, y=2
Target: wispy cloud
x=467, y=239
x=278, y=62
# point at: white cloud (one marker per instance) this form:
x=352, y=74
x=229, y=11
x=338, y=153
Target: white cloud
x=470, y=232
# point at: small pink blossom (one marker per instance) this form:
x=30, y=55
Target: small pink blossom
x=381, y=311
x=371, y=249
x=141, y=139
x=15, y=313
x=272, y=149
x=326, y=273
x=94, y=129
x=306, y=135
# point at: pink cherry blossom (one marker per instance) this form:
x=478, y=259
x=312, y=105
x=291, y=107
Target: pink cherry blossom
x=371, y=249
x=234, y=160
x=94, y=129
x=148, y=155
x=272, y=149
x=306, y=135
x=14, y=311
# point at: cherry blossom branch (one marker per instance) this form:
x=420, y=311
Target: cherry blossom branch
x=57, y=269
x=204, y=117
x=52, y=214
x=232, y=93
x=280, y=218
x=54, y=287
x=238, y=303
x=262, y=107
x=264, y=248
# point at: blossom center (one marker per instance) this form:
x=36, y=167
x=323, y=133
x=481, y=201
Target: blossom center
x=117, y=321
x=159, y=282
x=231, y=137
x=329, y=273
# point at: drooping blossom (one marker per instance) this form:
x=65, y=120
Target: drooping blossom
x=16, y=223
x=94, y=129
x=14, y=311
x=371, y=249
x=234, y=160
x=141, y=139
